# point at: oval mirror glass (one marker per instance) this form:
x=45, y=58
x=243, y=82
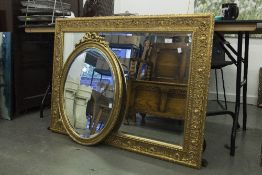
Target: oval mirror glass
x=92, y=92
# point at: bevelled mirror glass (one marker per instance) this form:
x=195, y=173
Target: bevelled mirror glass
x=157, y=83
x=165, y=62
x=88, y=101
x=90, y=89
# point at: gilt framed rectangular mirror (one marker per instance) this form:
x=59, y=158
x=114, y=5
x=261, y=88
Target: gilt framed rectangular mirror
x=166, y=65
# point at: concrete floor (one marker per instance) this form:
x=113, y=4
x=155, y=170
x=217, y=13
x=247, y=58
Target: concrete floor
x=27, y=147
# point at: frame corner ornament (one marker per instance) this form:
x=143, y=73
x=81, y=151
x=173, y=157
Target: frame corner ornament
x=92, y=37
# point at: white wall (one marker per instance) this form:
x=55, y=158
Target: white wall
x=255, y=62
x=70, y=39
x=152, y=7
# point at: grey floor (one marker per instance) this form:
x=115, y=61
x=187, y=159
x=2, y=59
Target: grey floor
x=27, y=147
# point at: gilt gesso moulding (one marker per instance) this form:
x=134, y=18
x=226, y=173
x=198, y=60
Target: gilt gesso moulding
x=201, y=26
x=95, y=44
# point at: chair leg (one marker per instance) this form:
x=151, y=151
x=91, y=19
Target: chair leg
x=223, y=83
x=224, y=90
x=48, y=90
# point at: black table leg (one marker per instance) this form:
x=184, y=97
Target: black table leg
x=238, y=90
x=245, y=81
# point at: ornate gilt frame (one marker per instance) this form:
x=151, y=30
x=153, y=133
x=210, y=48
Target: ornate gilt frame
x=92, y=40
x=201, y=26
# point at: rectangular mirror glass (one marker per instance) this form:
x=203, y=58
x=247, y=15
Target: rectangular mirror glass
x=157, y=71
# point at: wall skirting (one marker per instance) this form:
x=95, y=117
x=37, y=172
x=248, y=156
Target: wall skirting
x=232, y=97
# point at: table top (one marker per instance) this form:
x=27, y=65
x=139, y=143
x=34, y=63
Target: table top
x=234, y=26
x=226, y=26
x=238, y=21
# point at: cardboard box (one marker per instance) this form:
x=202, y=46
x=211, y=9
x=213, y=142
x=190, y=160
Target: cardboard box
x=129, y=40
x=121, y=39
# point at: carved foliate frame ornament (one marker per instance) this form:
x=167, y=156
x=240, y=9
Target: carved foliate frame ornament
x=201, y=26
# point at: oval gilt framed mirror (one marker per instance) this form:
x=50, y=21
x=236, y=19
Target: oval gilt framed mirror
x=91, y=90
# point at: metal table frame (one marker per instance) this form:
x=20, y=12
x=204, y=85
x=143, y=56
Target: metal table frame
x=241, y=28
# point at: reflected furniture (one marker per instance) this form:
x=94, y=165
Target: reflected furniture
x=156, y=98
x=125, y=59
x=164, y=88
x=103, y=69
x=170, y=61
x=100, y=66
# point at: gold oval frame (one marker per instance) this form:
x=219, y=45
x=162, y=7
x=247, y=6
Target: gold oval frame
x=91, y=40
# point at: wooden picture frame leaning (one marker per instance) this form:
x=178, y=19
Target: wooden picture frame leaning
x=201, y=26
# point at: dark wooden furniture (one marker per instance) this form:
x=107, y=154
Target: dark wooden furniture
x=6, y=18
x=2, y=20
x=32, y=55
x=162, y=92
x=156, y=98
x=170, y=62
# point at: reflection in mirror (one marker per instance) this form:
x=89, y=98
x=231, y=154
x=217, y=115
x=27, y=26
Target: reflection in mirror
x=70, y=40
x=88, y=92
x=158, y=65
